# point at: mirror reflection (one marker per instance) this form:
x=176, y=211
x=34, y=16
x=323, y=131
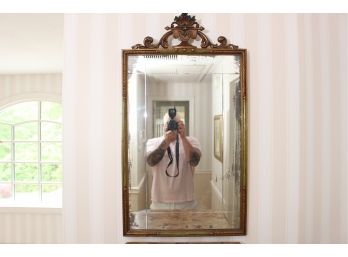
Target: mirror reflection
x=184, y=148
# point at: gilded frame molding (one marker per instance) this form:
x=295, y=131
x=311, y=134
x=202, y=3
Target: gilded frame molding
x=185, y=49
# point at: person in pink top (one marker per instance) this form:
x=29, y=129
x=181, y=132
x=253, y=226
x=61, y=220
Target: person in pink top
x=172, y=159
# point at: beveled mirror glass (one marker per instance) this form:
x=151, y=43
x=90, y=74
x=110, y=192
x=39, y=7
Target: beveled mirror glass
x=184, y=135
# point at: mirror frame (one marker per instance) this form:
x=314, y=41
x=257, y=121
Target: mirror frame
x=185, y=29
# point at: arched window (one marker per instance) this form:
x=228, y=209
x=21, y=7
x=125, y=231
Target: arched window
x=31, y=153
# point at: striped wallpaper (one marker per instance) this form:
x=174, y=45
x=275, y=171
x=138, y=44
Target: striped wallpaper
x=30, y=225
x=297, y=81
x=16, y=87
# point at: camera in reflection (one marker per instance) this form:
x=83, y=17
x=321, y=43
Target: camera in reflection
x=172, y=124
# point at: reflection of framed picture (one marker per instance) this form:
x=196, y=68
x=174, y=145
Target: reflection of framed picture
x=218, y=145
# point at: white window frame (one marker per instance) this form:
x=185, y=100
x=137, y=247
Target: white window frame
x=39, y=162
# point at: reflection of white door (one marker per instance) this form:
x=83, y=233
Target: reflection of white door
x=137, y=140
x=160, y=108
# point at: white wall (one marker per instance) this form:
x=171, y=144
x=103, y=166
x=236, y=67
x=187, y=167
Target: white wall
x=297, y=123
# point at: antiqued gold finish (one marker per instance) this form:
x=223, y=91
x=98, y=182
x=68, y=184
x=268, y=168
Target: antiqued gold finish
x=185, y=29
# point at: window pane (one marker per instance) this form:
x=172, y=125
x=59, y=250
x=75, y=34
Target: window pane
x=5, y=132
x=26, y=151
x=27, y=192
x=19, y=112
x=51, y=111
x=5, y=152
x=26, y=172
x=27, y=131
x=6, y=191
x=51, y=131
x=52, y=193
x=51, y=172
x=5, y=172
x=18, y=160
x=51, y=152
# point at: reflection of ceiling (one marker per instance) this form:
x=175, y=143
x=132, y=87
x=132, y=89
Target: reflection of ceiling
x=180, y=73
x=175, y=69
x=31, y=43
x=181, y=68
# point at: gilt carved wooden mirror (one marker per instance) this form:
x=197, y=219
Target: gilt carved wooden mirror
x=184, y=138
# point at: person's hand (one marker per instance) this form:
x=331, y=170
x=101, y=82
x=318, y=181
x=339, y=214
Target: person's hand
x=169, y=136
x=181, y=129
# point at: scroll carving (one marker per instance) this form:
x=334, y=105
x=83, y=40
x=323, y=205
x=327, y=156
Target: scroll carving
x=185, y=29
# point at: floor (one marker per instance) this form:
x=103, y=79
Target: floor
x=184, y=219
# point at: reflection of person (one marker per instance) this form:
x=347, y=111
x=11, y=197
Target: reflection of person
x=172, y=159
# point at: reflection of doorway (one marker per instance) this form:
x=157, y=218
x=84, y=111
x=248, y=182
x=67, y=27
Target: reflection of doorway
x=161, y=107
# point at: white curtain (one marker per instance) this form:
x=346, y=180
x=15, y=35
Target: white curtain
x=297, y=80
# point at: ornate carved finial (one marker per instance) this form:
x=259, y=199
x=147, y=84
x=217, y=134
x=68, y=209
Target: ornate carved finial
x=185, y=29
